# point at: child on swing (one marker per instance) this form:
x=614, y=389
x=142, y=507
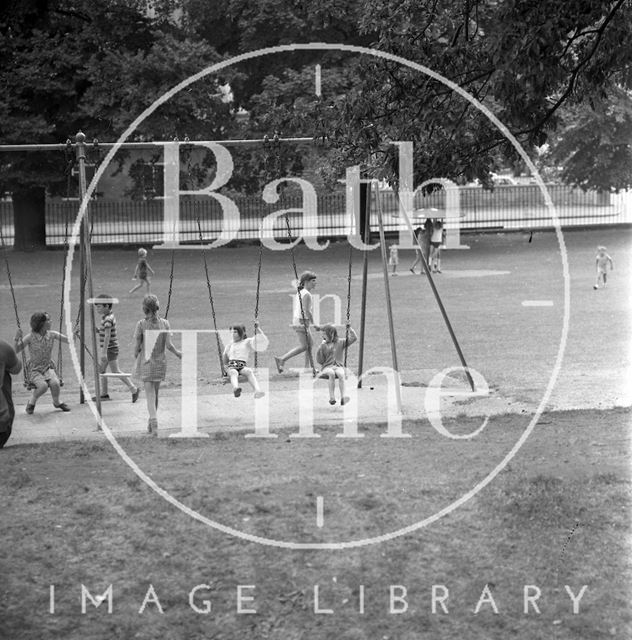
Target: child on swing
x=236, y=356
x=41, y=372
x=330, y=356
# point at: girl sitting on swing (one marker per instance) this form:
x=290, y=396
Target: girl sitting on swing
x=330, y=357
x=236, y=356
x=40, y=371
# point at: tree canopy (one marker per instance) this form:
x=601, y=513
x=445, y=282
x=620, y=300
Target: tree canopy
x=552, y=71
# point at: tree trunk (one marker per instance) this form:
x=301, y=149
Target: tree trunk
x=29, y=223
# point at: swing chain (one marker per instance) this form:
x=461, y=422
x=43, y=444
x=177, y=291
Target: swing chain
x=210, y=299
x=170, y=283
x=257, y=296
x=347, y=325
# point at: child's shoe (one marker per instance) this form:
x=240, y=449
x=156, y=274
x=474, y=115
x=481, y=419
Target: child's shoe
x=135, y=394
x=30, y=408
x=259, y=394
x=344, y=400
x=279, y=364
x=237, y=392
x=152, y=426
x=63, y=406
x=332, y=401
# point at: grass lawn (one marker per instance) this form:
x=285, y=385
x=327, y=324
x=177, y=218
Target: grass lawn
x=558, y=515
x=74, y=514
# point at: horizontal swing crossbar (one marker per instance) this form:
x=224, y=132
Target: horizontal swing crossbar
x=116, y=375
x=147, y=145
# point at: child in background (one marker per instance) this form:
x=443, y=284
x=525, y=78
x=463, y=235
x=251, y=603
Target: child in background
x=602, y=260
x=109, y=346
x=393, y=259
x=140, y=273
x=41, y=372
x=436, y=240
x=330, y=356
x=236, y=356
x=152, y=369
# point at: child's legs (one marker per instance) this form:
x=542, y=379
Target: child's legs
x=248, y=372
x=148, y=285
x=331, y=381
x=305, y=343
x=103, y=382
x=136, y=287
x=40, y=389
x=340, y=374
x=151, y=397
x=114, y=367
x=55, y=387
x=233, y=376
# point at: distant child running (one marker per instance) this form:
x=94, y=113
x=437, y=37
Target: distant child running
x=421, y=237
x=602, y=261
x=40, y=370
x=140, y=273
x=436, y=240
x=109, y=346
x=236, y=356
x=152, y=368
x=330, y=356
x=393, y=258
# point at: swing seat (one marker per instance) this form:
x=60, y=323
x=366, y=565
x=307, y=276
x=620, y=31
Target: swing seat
x=110, y=374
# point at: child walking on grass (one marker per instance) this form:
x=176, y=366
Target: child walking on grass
x=41, y=372
x=140, y=273
x=330, y=356
x=152, y=368
x=109, y=346
x=602, y=261
x=393, y=258
x=236, y=356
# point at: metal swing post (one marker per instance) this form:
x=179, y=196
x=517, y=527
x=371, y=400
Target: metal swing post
x=86, y=275
x=389, y=304
x=365, y=213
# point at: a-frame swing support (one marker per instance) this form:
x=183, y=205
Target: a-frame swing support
x=365, y=213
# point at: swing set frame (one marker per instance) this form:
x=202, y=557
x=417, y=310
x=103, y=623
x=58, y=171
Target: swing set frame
x=86, y=286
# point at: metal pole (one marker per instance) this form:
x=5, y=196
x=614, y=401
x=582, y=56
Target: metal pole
x=366, y=236
x=86, y=253
x=389, y=305
x=438, y=299
x=148, y=145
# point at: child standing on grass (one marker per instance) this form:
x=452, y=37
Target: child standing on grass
x=602, y=260
x=236, y=356
x=152, y=369
x=40, y=370
x=140, y=273
x=393, y=258
x=330, y=356
x=436, y=240
x=109, y=346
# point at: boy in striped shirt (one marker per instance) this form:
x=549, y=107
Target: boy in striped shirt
x=109, y=347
